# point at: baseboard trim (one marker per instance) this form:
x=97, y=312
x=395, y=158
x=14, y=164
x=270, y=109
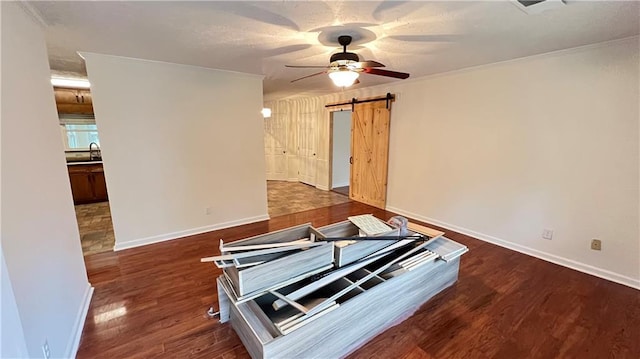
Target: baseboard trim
x=324, y=188
x=565, y=262
x=189, y=232
x=78, y=325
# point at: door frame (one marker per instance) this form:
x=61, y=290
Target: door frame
x=331, y=111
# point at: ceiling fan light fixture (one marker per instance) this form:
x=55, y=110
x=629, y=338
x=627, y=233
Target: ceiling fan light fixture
x=266, y=112
x=345, y=67
x=343, y=77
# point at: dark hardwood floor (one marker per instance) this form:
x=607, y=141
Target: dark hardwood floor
x=151, y=301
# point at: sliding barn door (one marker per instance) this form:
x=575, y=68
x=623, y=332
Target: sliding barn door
x=370, y=152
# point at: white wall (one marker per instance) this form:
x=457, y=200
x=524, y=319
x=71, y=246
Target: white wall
x=501, y=152
x=176, y=140
x=547, y=142
x=12, y=341
x=341, y=148
x=40, y=240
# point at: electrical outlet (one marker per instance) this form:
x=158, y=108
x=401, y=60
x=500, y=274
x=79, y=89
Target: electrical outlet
x=45, y=350
x=547, y=234
x=208, y=210
x=596, y=244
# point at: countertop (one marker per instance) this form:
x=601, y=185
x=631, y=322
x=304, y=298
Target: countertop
x=84, y=163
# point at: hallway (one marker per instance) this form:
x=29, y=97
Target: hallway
x=291, y=197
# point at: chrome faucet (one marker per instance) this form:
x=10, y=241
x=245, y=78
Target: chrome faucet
x=98, y=155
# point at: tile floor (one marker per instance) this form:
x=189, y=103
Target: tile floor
x=342, y=190
x=292, y=197
x=96, y=228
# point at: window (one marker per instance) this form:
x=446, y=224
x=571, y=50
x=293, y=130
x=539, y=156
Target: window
x=79, y=136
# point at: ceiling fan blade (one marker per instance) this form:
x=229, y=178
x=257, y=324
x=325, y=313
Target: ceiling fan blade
x=374, y=71
x=306, y=67
x=316, y=74
x=363, y=64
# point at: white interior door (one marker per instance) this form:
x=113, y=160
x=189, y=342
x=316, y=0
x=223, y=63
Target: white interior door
x=275, y=147
x=307, y=149
x=292, y=149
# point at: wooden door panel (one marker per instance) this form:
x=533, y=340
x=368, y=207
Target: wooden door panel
x=99, y=186
x=379, y=155
x=81, y=187
x=66, y=96
x=78, y=109
x=85, y=97
x=357, y=155
x=370, y=151
x=73, y=101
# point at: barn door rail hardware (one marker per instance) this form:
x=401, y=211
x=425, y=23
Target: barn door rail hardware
x=388, y=98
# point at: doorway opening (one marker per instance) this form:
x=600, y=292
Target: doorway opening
x=79, y=134
x=291, y=144
x=340, y=151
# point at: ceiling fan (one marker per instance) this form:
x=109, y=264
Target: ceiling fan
x=345, y=67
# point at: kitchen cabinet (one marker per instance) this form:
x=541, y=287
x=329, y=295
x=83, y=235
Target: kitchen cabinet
x=99, y=185
x=87, y=183
x=73, y=101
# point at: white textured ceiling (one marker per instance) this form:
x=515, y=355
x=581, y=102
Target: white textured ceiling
x=419, y=37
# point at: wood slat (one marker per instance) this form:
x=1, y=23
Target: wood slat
x=433, y=233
